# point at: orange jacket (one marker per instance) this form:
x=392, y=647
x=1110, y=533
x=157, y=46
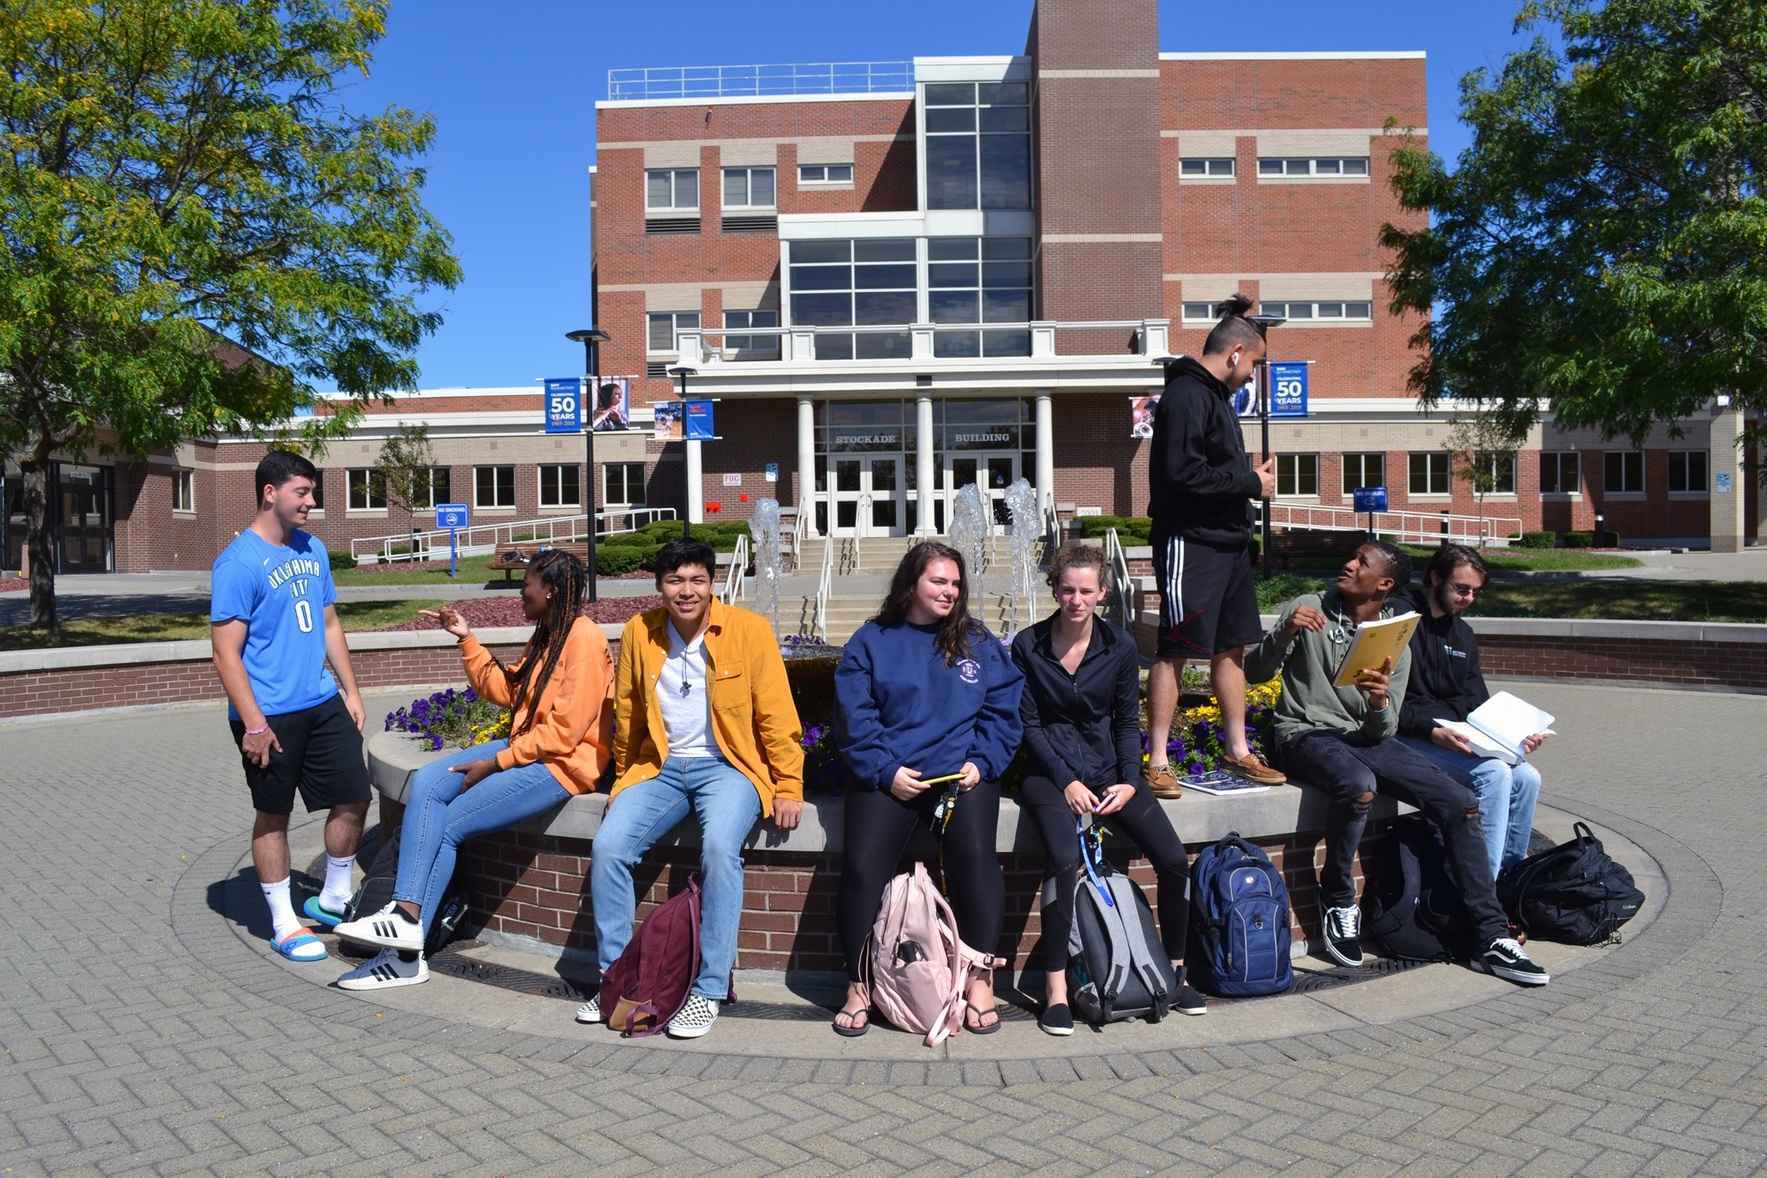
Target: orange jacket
x=572, y=734
x=754, y=720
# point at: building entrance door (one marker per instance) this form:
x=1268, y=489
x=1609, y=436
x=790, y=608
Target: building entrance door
x=992, y=472
x=867, y=494
x=85, y=523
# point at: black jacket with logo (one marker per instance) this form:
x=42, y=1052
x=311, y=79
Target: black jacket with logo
x=1085, y=726
x=1202, y=483
x=1446, y=681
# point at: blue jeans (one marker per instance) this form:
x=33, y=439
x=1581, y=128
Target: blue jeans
x=438, y=818
x=727, y=806
x=1507, y=794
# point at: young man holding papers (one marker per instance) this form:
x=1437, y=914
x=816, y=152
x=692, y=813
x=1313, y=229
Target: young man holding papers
x=1448, y=686
x=1344, y=740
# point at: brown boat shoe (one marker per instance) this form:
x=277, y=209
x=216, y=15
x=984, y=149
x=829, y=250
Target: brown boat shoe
x=1161, y=782
x=1252, y=768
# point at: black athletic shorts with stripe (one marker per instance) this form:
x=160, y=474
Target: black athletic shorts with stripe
x=321, y=757
x=1208, y=598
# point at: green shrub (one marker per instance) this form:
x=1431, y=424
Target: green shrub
x=1134, y=530
x=340, y=560
x=612, y=560
x=1538, y=540
x=1578, y=539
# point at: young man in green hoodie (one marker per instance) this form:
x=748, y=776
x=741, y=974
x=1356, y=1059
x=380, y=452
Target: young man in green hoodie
x=1345, y=740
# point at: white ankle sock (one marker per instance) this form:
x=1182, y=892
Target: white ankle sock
x=338, y=881
x=282, y=914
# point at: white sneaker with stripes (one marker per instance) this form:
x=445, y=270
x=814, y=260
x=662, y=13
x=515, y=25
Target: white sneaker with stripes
x=386, y=970
x=389, y=928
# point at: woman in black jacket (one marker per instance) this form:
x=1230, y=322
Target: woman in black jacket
x=1082, y=715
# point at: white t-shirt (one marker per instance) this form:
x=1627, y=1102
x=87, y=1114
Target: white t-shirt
x=684, y=697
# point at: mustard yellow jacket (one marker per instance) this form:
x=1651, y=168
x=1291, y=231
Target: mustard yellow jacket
x=754, y=720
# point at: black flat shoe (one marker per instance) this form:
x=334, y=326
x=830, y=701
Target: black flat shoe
x=1056, y=1020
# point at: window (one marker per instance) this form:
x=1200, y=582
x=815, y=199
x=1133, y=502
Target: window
x=1364, y=470
x=560, y=485
x=429, y=487
x=1429, y=472
x=980, y=280
x=664, y=325
x=978, y=145
x=1324, y=310
x=855, y=283
x=1316, y=166
x=751, y=347
x=1297, y=474
x=1496, y=473
x=493, y=486
x=1687, y=471
x=1560, y=473
x=1199, y=313
x=368, y=489
x=748, y=188
x=825, y=173
x=1624, y=471
x=622, y=484
x=672, y=191
x=319, y=492
x=1205, y=167
x=184, y=490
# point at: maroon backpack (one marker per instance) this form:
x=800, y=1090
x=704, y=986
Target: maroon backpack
x=650, y=982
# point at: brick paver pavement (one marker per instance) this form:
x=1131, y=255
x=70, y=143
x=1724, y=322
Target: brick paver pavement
x=140, y=1036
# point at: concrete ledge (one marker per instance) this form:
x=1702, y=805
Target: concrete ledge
x=1600, y=629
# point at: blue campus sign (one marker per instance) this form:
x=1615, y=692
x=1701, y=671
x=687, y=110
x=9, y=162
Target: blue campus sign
x=699, y=422
x=1288, y=389
x=451, y=515
x=564, y=405
x=1370, y=498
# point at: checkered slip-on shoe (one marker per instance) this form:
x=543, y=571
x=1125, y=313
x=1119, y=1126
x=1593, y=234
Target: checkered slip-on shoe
x=695, y=1018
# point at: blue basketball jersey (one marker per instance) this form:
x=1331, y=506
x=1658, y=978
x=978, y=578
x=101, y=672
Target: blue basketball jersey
x=280, y=591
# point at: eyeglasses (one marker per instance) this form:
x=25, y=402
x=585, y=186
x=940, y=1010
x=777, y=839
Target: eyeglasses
x=1463, y=590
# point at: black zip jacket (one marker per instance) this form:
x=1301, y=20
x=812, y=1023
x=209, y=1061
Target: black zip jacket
x=1202, y=483
x=1446, y=681
x=1085, y=726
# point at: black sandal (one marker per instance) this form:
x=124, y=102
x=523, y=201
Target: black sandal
x=852, y=1030
x=979, y=1027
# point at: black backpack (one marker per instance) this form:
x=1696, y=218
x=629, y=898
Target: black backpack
x=1412, y=911
x=1572, y=893
x=376, y=892
x=1117, y=965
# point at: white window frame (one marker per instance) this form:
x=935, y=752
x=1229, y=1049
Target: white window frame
x=1327, y=167
x=184, y=488
x=552, y=498
x=1684, y=459
x=1494, y=457
x=1289, y=470
x=480, y=504
x=674, y=205
x=1213, y=167
x=808, y=178
x=1361, y=457
x=1308, y=312
x=366, y=482
x=772, y=347
x=1557, y=458
x=675, y=326
x=625, y=468
x=1431, y=458
x=427, y=480
x=749, y=206
x=1623, y=490
x=1186, y=309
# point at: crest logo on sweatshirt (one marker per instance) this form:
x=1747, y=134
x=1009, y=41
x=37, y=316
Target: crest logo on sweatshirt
x=969, y=670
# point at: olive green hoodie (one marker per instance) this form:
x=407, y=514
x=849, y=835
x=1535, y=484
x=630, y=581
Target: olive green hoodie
x=1308, y=662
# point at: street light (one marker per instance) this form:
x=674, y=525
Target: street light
x=591, y=338
x=1264, y=323
x=684, y=370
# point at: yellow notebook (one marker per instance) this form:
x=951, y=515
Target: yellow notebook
x=1375, y=643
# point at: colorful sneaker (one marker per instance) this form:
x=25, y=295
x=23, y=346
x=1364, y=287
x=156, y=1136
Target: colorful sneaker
x=386, y=970
x=1252, y=768
x=1161, y=782
x=695, y=1018
x=389, y=928
x=590, y=1011
x=1343, y=935
x=1509, y=961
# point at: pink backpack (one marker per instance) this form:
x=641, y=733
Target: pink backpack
x=916, y=966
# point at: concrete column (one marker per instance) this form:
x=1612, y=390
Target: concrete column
x=1728, y=495
x=1045, y=451
x=807, y=463
x=696, y=493
x=925, y=478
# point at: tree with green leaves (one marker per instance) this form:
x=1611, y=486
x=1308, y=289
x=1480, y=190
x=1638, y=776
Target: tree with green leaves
x=403, y=470
x=195, y=234
x=1478, y=439
x=1602, y=244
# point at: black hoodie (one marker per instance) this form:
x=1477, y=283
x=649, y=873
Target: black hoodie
x=1201, y=480
x=1446, y=681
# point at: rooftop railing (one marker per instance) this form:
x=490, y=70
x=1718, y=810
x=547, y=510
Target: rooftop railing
x=758, y=81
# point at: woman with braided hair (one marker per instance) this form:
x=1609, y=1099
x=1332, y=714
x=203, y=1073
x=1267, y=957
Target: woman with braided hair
x=560, y=739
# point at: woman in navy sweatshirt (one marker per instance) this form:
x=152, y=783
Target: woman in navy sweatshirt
x=923, y=691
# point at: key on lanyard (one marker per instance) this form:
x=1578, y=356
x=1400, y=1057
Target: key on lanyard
x=946, y=807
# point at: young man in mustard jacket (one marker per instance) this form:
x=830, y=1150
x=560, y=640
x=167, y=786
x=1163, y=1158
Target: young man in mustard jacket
x=704, y=724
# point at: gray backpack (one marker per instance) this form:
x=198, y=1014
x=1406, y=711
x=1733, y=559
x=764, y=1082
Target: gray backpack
x=1117, y=967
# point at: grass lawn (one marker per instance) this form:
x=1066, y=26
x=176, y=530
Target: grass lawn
x=474, y=570
x=1539, y=560
x=168, y=627
x=1632, y=601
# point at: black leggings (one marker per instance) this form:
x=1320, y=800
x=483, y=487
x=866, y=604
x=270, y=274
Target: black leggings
x=1146, y=824
x=877, y=830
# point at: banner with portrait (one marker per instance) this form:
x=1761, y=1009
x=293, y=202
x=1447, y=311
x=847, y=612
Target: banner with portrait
x=612, y=405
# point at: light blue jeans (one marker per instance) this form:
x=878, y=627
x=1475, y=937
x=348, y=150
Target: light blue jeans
x=438, y=818
x=727, y=806
x=1507, y=794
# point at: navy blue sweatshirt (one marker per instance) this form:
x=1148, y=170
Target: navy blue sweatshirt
x=897, y=702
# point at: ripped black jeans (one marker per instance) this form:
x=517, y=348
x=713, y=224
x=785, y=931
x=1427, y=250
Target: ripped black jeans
x=1329, y=760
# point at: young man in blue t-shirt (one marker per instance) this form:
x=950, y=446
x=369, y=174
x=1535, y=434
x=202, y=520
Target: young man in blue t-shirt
x=274, y=627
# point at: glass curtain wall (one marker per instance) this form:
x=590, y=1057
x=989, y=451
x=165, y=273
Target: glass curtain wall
x=855, y=283
x=980, y=280
x=978, y=145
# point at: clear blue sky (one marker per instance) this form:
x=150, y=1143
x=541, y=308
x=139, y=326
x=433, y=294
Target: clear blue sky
x=513, y=87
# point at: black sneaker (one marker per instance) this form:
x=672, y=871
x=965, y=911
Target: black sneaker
x=1343, y=935
x=1509, y=961
x=1188, y=1000
x=1056, y=1020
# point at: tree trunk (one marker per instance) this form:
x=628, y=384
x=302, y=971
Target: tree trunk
x=38, y=544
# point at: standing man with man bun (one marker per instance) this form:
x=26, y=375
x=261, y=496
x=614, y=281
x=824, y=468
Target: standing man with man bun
x=1203, y=484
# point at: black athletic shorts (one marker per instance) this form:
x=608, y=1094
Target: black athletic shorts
x=1208, y=598
x=321, y=756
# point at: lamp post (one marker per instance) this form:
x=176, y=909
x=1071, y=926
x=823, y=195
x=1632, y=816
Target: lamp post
x=1265, y=323
x=591, y=338
x=682, y=371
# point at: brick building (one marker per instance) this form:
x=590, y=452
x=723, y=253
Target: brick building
x=900, y=278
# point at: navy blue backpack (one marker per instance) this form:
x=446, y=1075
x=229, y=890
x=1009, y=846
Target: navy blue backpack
x=1239, y=934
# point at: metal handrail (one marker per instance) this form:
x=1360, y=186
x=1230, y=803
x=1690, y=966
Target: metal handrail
x=824, y=586
x=735, y=575
x=546, y=530
x=1410, y=526
x=736, y=81
x=800, y=532
x=862, y=514
x=1121, y=609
